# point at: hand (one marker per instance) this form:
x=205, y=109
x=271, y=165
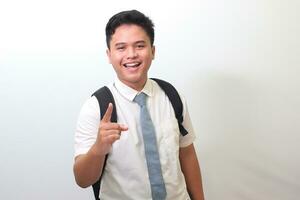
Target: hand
x=108, y=132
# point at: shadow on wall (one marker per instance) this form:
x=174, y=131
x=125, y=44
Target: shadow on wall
x=236, y=163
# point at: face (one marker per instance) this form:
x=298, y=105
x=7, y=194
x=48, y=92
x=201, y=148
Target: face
x=131, y=54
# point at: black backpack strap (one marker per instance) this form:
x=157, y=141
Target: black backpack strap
x=175, y=100
x=104, y=97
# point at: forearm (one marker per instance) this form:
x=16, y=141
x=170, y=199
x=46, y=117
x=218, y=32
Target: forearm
x=88, y=167
x=191, y=170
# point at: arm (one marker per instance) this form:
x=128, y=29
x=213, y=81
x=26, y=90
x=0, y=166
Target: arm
x=88, y=167
x=191, y=170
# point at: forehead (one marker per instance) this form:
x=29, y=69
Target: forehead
x=128, y=33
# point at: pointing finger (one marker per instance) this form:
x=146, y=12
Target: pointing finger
x=107, y=115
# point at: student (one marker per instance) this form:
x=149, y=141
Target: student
x=130, y=42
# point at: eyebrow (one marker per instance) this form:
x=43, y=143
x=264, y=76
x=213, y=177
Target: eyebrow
x=124, y=43
x=140, y=41
x=119, y=44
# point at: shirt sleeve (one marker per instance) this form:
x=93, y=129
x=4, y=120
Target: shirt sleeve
x=87, y=126
x=188, y=139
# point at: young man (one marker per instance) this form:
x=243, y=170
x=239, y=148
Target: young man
x=130, y=38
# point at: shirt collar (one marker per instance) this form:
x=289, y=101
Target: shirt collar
x=130, y=93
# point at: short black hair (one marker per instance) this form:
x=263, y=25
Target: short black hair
x=129, y=17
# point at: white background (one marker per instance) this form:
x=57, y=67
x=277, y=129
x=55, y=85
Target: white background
x=236, y=62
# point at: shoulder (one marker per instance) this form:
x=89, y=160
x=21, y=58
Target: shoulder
x=91, y=102
x=163, y=86
x=167, y=88
x=90, y=107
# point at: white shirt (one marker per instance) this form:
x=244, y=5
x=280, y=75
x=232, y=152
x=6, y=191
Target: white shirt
x=125, y=175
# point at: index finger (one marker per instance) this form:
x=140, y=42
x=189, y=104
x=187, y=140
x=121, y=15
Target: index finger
x=107, y=115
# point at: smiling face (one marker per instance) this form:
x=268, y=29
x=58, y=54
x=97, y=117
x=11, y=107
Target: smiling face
x=131, y=55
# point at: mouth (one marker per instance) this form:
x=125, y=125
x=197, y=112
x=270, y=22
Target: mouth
x=132, y=65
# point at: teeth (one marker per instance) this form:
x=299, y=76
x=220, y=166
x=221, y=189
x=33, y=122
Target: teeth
x=131, y=64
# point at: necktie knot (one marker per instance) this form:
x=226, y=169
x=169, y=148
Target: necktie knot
x=140, y=99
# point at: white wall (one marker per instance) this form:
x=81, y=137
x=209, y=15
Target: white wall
x=236, y=62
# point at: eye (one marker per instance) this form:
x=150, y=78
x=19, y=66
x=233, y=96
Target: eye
x=120, y=48
x=140, y=46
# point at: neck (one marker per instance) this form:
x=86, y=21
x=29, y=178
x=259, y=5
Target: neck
x=138, y=86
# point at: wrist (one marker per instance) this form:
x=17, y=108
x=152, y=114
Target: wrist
x=96, y=151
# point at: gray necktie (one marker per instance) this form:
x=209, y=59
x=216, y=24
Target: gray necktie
x=158, y=188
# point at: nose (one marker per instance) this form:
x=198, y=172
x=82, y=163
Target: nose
x=132, y=53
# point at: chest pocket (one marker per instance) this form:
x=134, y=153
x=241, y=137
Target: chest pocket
x=169, y=149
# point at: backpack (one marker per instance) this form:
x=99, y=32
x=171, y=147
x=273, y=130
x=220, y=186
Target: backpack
x=104, y=97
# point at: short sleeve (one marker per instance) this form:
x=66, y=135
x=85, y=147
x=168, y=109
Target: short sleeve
x=87, y=126
x=188, y=139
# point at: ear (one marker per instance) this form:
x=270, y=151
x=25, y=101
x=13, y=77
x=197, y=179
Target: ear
x=153, y=52
x=108, y=55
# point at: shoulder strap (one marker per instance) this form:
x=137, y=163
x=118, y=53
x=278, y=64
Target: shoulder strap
x=104, y=97
x=175, y=100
